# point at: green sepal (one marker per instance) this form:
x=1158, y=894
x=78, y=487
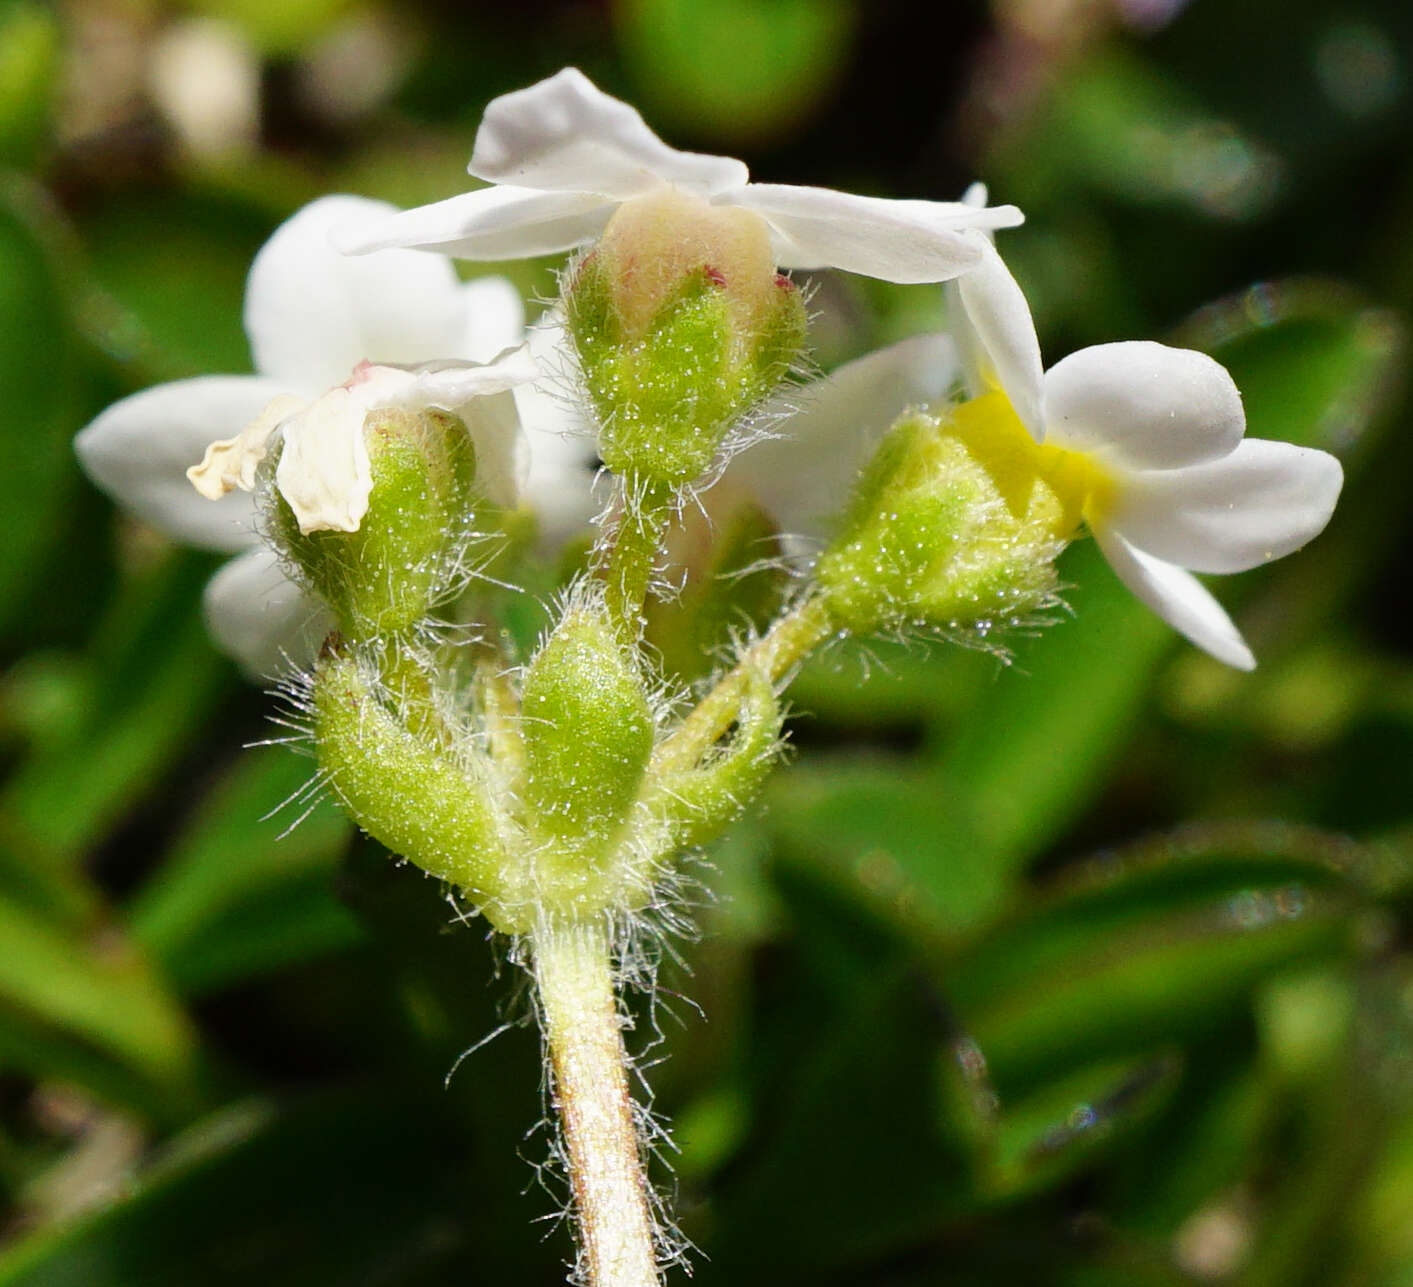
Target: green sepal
x=423, y=801
x=693, y=806
x=666, y=398
x=408, y=550
x=587, y=733
x=943, y=532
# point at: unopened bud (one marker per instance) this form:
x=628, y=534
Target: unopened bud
x=588, y=733
x=425, y=804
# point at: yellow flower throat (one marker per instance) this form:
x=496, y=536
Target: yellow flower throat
x=1062, y=488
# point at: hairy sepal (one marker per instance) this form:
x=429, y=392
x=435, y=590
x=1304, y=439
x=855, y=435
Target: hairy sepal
x=587, y=731
x=667, y=395
x=955, y=526
x=427, y=802
x=411, y=547
x=692, y=806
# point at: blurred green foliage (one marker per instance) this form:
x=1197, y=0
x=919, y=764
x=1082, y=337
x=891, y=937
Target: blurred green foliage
x=1092, y=970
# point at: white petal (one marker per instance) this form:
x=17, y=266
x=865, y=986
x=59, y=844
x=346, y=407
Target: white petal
x=490, y=223
x=231, y=463
x=139, y=450
x=324, y=472
x=312, y=314
x=1179, y=598
x=566, y=135
x=1144, y=405
x=495, y=319
x=803, y=477
x=563, y=466
x=1005, y=333
x=450, y=385
x=561, y=438
x=967, y=213
x=261, y=618
x=898, y=241
x=502, y=456
x=1262, y=502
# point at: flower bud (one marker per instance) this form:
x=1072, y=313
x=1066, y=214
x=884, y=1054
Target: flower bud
x=693, y=805
x=955, y=525
x=681, y=325
x=403, y=557
x=587, y=732
x=425, y=803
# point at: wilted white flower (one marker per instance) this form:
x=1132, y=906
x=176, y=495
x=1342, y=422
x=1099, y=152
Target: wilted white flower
x=312, y=316
x=324, y=472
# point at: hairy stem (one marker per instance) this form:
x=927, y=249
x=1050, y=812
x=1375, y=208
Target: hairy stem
x=583, y=1031
x=637, y=540
x=774, y=655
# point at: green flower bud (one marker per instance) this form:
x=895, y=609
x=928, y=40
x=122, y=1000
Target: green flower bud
x=432, y=806
x=587, y=733
x=956, y=524
x=693, y=806
x=681, y=325
x=404, y=557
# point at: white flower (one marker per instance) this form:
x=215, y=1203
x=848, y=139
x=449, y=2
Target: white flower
x=1174, y=487
x=312, y=316
x=324, y=472
x=563, y=156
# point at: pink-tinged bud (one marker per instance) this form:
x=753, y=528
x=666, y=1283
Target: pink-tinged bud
x=655, y=244
x=681, y=325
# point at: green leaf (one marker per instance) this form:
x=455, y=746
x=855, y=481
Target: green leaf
x=176, y=266
x=1032, y=752
x=1028, y=755
x=361, y=1189
x=235, y=898
x=100, y=992
x=42, y=388
x=54, y=1051
x=858, y=1133
x=1157, y=952
x=158, y=678
x=1070, y=1122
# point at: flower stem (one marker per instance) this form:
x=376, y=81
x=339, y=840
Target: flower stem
x=583, y=1031
x=775, y=654
x=637, y=538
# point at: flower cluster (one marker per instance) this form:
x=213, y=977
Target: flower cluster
x=1169, y=486
x=406, y=448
